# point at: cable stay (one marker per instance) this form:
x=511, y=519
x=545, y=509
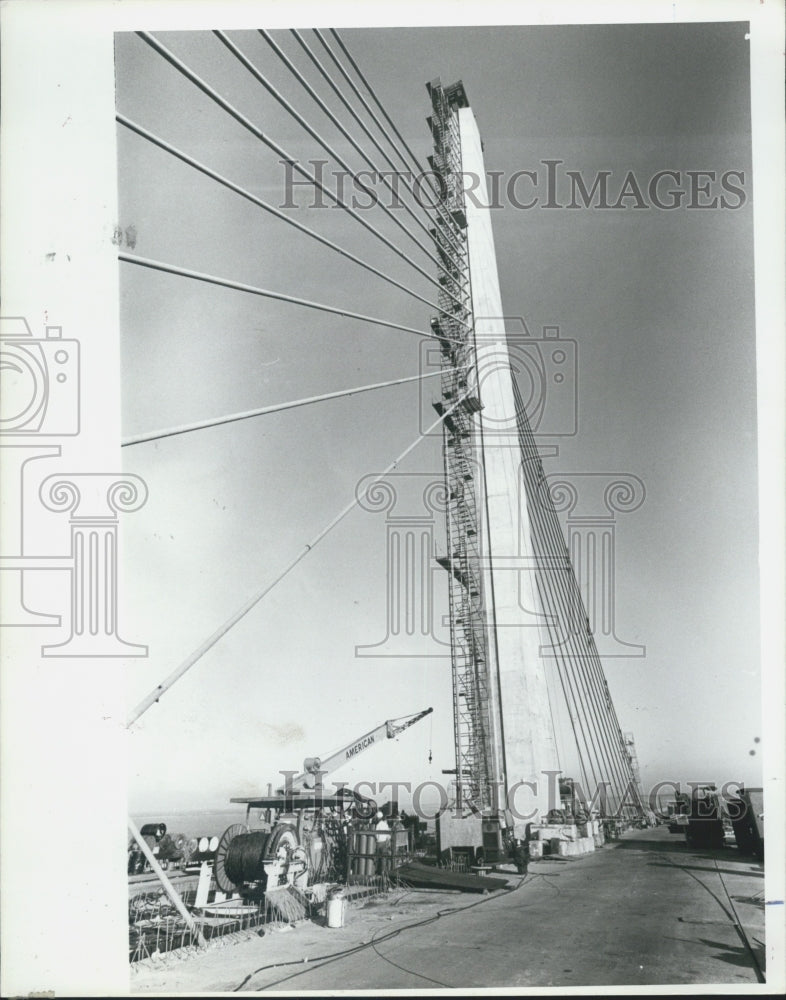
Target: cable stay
x=266, y=206
x=211, y=279
x=200, y=651
x=239, y=117
x=447, y=229
x=579, y=668
x=348, y=135
x=436, y=205
x=260, y=411
x=330, y=150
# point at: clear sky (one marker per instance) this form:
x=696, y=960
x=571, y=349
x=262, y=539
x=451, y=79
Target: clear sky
x=659, y=303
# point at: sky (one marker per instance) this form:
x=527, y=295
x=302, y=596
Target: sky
x=658, y=302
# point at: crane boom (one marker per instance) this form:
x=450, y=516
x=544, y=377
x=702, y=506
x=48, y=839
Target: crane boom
x=315, y=767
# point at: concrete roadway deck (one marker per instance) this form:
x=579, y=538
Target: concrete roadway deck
x=647, y=910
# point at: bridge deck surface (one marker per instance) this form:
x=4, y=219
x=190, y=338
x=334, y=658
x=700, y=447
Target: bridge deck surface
x=644, y=911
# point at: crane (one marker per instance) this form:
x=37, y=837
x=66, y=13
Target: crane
x=293, y=845
x=315, y=768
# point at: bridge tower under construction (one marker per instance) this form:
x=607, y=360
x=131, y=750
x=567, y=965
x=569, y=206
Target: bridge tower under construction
x=520, y=635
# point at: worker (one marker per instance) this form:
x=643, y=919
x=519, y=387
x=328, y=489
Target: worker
x=382, y=828
x=520, y=853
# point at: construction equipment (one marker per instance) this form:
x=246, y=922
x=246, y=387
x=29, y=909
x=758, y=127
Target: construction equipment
x=746, y=812
x=677, y=812
x=315, y=768
x=300, y=835
x=705, y=818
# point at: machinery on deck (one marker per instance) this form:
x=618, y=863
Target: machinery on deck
x=677, y=813
x=746, y=813
x=300, y=835
x=704, y=828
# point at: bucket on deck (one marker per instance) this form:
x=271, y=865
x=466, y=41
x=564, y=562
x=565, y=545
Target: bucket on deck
x=335, y=909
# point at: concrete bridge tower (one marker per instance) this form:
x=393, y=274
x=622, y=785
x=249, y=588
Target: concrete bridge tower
x=504, y=730
x=515, y=606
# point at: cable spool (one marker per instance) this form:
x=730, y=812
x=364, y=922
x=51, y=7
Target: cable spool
x=244, y=855
x=192, y=847
x=213, y=845
x=203, y=845
x=284, y=835
x=156, y=830
x=224, y=883
x=244, y=858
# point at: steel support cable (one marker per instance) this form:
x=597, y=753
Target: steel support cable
x=568, y=679
x=262, y=410
x=374, y=118
x=570, y=594
x=573, y=650
x=243, y=58
x=559, y=595
x=609, y=712
x=326, y=76
x=548, y=590
x=613, y=722
x=572, y=599
x=214, y=175
x=596, y=743
x=220, y=632
x=331, y=83
x=348, y=135
x=257, y=132
x=211, y=279
x=390, y=121
x=606, y=708
x=570, y=711
x=615, y=761
x=564, y=671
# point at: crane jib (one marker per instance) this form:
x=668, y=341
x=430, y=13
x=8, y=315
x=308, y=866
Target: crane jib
x=357, y=747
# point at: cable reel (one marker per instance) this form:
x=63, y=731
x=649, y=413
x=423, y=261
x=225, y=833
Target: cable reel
x=258, y=859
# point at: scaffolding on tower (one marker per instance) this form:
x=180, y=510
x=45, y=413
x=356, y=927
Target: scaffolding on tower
x=454, y=331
